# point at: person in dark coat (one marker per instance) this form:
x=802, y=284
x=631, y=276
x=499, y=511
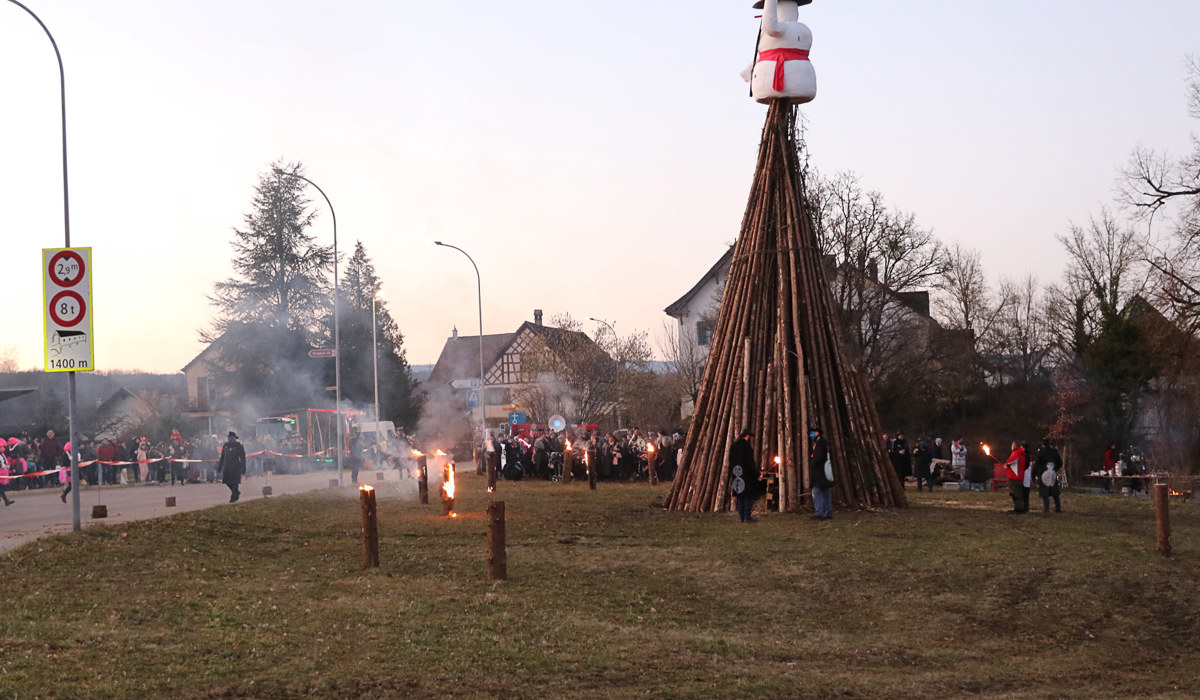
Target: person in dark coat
x=818, y=455
x=232, y=465
x=923, y=461
x=354, y=459
x=744, y=476
x=1047, y=471
x=900, y=458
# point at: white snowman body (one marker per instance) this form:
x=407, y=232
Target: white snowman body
x=782, y=39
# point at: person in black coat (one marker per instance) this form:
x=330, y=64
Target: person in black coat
x=354, y=456
x=900, y=458
x=923, y=461
x=1047, y=469
x=232, y=465
x=818, y=455
x=744, y=476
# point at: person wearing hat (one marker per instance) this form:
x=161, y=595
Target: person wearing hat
x=820, y=474
x=744, y=477
x=232, y=465
x=1047, y=467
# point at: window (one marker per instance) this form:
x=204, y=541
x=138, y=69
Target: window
x=704, y=333
x=500, y=396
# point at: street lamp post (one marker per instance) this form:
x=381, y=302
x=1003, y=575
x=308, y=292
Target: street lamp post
x=614, y=332
x=375, y=359
x=482, y=393
x=72, y=434
x=337, y=328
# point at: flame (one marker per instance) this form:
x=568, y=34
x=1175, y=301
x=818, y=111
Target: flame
x=568, y=445
x=650, y=447
x=439, y=453
x=418, y=453
x=778, y=459
x=448, y=486
x=585, y=457
x=987, y=450
x=366, y=488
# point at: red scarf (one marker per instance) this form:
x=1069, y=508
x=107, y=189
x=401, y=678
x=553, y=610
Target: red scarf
x=779, y=56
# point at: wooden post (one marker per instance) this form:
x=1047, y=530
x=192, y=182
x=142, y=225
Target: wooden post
x=370, y=526
x=568, y=464
x=170, y=501
x=591, y=472
x=423, y=481
x=1162, y=516
x=497, y=558
x=100, y=511
x=491, y=473
x=652, y=464
x=448, y=487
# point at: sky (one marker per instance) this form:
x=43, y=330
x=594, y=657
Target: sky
x=593, y=158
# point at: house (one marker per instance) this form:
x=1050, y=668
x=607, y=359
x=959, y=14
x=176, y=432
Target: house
x=883, y=326
x=201, y=390
x=124, y=412
x=532, y=371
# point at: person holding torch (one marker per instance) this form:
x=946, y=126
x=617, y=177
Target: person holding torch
x=1017, y=465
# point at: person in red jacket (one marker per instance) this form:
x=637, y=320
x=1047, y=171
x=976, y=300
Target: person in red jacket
x=1018, y=483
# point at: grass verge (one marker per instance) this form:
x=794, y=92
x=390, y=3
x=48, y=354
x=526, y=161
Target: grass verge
x=608, y=596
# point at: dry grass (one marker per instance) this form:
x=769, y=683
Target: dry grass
x=609, y=597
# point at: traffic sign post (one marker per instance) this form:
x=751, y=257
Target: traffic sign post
x=67, y=304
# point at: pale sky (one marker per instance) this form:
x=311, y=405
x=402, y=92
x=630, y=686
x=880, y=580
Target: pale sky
x=594, y=158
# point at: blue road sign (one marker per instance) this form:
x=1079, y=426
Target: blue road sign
x=473, y=399
x=516, y=418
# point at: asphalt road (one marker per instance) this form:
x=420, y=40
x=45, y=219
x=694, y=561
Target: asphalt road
x=40, y=512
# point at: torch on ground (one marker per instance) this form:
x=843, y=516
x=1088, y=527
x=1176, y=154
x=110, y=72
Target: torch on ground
x=448, y=490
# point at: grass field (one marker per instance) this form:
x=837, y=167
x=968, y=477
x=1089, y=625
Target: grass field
x=609, y=596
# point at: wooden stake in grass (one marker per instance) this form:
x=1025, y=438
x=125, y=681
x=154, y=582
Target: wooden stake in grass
x=652, y=464
x=497, y=557
x=370, y=526
x=568, y=462
x=422, y=479
x=1162, y=517
x=448, y=488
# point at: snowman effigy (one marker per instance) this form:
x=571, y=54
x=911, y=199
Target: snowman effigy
x=777, y=365
x=781, y=68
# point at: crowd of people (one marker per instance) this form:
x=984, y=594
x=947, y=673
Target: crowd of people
x=620, y=455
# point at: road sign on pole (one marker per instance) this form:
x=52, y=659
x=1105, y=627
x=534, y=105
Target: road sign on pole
x=322, y=352
x=473, y=399
x=67, y=303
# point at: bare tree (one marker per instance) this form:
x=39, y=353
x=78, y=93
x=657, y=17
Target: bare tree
x=1154, y=183
x=1107, y=262
x=1021, y=341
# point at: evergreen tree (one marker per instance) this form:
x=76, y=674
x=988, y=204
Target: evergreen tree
x=357, y=290
x=281, y=274
x=270, y=311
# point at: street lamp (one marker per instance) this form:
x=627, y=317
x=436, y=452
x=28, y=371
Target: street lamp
x=375, y=358
x=482, y=393
x=72, y=435
x=614, y=332
x=337, y=327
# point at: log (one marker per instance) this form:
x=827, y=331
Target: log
x=497, y=557
x=370, y=526
x=422, y=480
x=1162, y=518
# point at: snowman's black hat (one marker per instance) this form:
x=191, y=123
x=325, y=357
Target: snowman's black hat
x=759, y=5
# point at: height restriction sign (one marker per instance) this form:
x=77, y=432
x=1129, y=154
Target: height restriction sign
x=67, y=301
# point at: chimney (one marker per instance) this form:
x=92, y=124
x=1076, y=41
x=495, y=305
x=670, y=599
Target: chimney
x=537, y=317
x=454, y=333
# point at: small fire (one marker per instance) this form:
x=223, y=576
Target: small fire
x=987, y=450
x=650, y=447
x=778, y=460
x=448, y=486
x=367, y=488
x=585, y=457
x=568, y=448
x=439, y=453
x=418, y=453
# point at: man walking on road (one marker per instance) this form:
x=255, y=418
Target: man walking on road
x=232, y=465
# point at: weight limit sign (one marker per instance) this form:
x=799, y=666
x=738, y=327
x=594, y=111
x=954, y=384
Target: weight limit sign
x=67, y=306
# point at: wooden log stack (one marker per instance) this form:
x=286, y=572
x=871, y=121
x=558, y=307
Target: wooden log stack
x=777, y=364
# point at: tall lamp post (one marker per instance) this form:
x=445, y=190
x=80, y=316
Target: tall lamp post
x=482, y=393
x=337, y=327
x=375, y=357
x=614, y=332
x=72, y=435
